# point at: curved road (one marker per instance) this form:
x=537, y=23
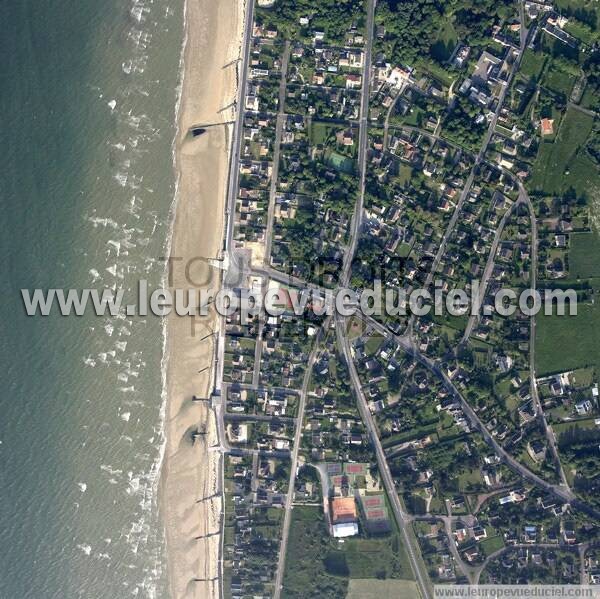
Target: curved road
x=558, y=491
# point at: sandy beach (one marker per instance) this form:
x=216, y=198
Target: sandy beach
x=190, y=503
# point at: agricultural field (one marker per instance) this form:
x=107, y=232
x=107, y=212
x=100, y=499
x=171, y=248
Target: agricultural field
x=583, y=255
x=368, y=588
x=560, y=164
x=377, y=557
x=568, y=342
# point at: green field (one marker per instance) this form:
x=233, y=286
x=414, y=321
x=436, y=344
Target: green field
x=590, y=98
x=373, y=344
x=586, y=7
x=559, y=81
x=584, y=377
x=340, y=162
x=319, y=133
x=568, y=342
x=436, y=71
x=446, y=40
x=584, y=423
x=533, y=63
x=305, y=573
x=584, y=255
x=319, y=566
x=561, y=164
x=492, y=544
x=381, y=557
x=469, y=478
x=405, y=174
x=375, y=589
x=409, y=435
x=413, y=117
x=581, y=31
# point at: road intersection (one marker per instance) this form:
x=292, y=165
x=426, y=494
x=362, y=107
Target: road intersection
x=241, y=270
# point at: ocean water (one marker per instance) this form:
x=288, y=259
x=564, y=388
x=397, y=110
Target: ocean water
x=88, y=94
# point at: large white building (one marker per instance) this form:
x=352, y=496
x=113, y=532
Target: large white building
x=345, y=529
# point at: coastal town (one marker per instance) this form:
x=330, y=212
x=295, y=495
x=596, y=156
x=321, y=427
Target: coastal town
x=418, y=143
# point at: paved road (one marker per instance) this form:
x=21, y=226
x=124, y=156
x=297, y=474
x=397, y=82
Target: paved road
x=532, y=338
x=487, y=272
x=448, y=521
x=258, y=347
x=229, y=227
x=281, y=116
x=553, y=546
x=233, y=417
x=525, y=199
x=363, y=138
x=582, y=550
x=289, y=280
x=386, y=124
x=228, y=246
x=478, y=160
x=230, y=206
x=525, y=35
x=234, y=163
x=287, y=518
x=402, y=518
x=254, y=481
x=558, y=491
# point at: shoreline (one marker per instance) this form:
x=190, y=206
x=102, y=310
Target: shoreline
x=189, y=501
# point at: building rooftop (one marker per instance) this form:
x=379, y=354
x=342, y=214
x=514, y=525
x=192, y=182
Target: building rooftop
x=343, y=509
x=348, y=529
x=547, y=126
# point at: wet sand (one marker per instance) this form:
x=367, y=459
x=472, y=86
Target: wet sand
x=190, y=499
